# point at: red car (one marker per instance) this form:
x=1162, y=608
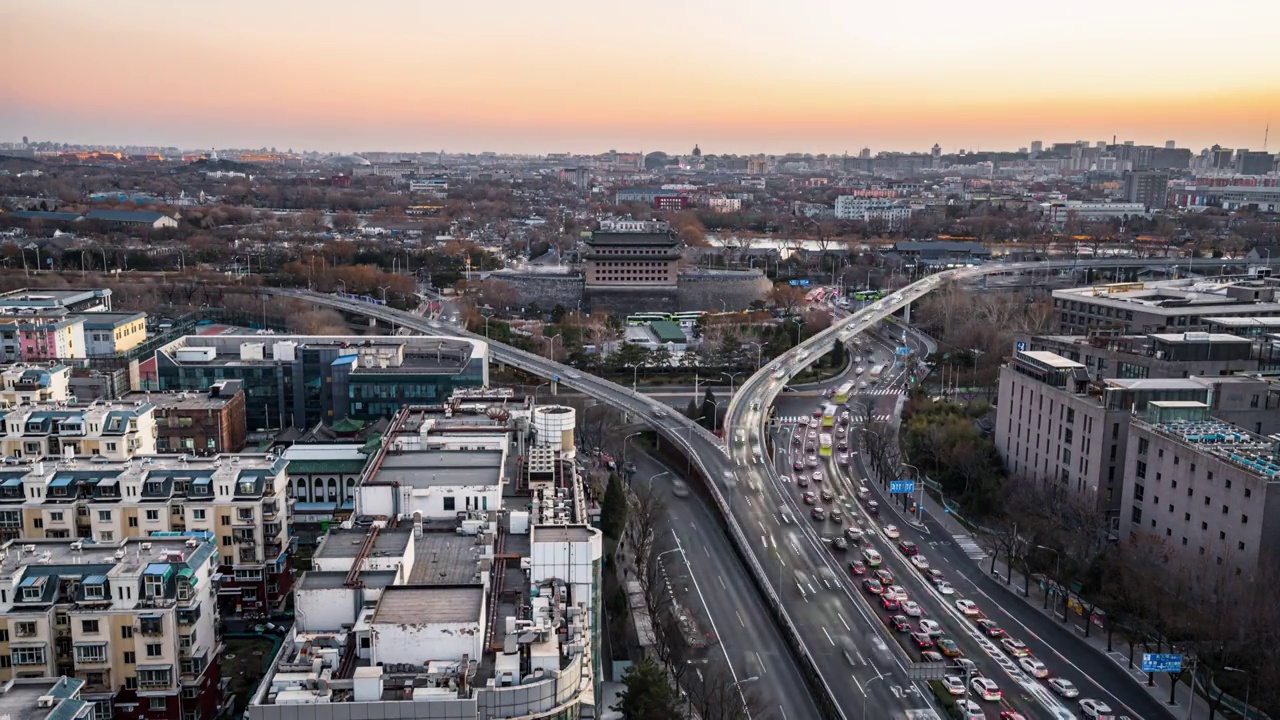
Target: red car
x=857, y=568
x=923, y=640
x=872, y=586
x=889, y=603
x=899, y=623
x=797, y=465
x=908, y=548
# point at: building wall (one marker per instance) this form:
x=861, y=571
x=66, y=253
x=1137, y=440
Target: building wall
x=547, y=290
x=324, y=608
x=396, y=643
x=706, y=291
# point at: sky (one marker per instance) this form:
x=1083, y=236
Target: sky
x=733, y=76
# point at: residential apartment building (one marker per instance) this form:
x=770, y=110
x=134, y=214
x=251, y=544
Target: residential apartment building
x=1173, y=306
x=66, y=300
x=452, y=617
x=211, y=422
x=1207, y=490
x=241, y=501
x=47, y=698
x=30, y=337
x=107, y=334
x=1148, y=188
x=133, y=622
x=1058, y=213
x=24, y=384
x=105, y=431
x=1056, y=423
x=301, y=381
x=1232, y=192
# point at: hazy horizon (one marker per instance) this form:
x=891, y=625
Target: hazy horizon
x=574, y=76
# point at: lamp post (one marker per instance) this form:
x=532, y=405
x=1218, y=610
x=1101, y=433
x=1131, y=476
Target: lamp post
x=635, y=376
x=731, y=376
x=1057, y=571
x=624, y=449
x=759, y=350
x=864, y=694
x=383, y=288
x=741, y=695
x=343, y=283
x=551, y=346
x=1248, y=685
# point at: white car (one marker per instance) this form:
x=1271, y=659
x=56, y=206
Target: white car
x=986, y=689
x=891, y=531
x=897, y=592
x=1064, y=687
x=1093, y=708
x=1016, y=648
x=970, y=710
x=954, y=685
x=929, y=627
x=968, y=607
x=911, y=608
x=919, y=562
x=945, y=588
x=1034, y=667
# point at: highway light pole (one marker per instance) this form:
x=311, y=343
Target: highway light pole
x=731, y=376
x=1057, y=571
x=1248, y=685
x=743, y=696
x=624, y=450
x=864, y=693
x=759, y=350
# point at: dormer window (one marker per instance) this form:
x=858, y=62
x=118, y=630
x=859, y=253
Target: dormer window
x=94, y=591
x=246, y=487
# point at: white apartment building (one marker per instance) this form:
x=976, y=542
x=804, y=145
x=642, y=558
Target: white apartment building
x=1059, y=213
x=23, y=384
x=240, y=501
x=110, y=431
x=136, y=621
x=858, y=207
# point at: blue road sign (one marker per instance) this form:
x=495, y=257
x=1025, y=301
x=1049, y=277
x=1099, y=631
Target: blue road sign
x=799, y=283
x=902, y=487
x=903, y=351
x=1021, y=346
x=1161, y=662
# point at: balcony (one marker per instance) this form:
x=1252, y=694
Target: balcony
x=96, y=682
x=247, y=539
x=89, y=661
x=274, y=550
x=248, y=555
x=270, y=510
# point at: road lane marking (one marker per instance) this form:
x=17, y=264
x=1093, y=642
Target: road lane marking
x=740, y=622
x=721, y=579
x=824, y=632
x=760, y=660
x=843, y=621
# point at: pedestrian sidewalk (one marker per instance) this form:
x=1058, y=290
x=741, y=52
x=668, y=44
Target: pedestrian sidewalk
x=1014, y=583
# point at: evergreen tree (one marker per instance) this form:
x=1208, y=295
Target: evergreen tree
x=692, y=411
x=709, y=410
x=648, y=695
x=613, y=510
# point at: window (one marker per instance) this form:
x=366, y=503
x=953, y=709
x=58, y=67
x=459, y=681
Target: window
x=1244, y=519
x=197, y=514
x=155, y=649
x=226, y=540
x=153, y=586
x=153, y=514
x=1143, y=444
x=1247, y=491
x=27, y=656
x=1141, y=469
x=158, y=703
x=104, y=516
x=102, y=710
x=449, y=503
x=1225, y=510
x=24, y=629
x=126, y=631
x=1137, y=515
x=226, y=519
x=1240, y=545
x=91, y=653
x=130, y=657
x=131, y=683
x=55, y=516
x=89, y=627
x=133, y=521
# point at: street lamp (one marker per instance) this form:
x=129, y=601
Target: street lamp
x=1248, y=684
x=383, y=288
x=864, y=694
x=1057, y=571
x=624, y=449
x=551, y=346
x=731, y=376
x=343, y=283
x=759, y=350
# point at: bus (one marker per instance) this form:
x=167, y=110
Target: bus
x=876, y=372
x=688, y=319
x=824, y=445
x=842, y=393
x=829, y=415
x=867, y=295
x=646, y=318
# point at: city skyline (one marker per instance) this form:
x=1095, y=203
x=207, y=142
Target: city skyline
x=571, y=76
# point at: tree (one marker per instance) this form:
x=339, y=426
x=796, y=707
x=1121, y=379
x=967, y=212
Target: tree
x=647, y=694
x=715, y=695
x=786, y=297
x=613, y=510
x=346, y=221
x=710, y=411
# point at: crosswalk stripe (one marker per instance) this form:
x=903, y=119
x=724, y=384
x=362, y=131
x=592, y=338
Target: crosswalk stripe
x=970, y=546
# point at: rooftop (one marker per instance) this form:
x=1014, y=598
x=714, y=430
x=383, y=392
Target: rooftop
x=445, y=558
x=1049, y=359
x=419, y=353
x=413, y=605
x=165, y=401
x=20, y=699
x=346, y=542
x=1235, y=445
x=85, y=557
x=440, y=468
x=317, y=580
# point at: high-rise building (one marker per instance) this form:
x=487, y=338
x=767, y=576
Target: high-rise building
x=1037, y=147
x=1250, y=162
x=1148, y=187
x=1170, y=144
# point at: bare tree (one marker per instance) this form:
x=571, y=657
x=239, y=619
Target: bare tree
x=714, y=694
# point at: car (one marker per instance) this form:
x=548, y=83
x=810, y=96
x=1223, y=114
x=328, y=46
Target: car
x=930, y=656
x=1015, y=647
x=810, y=498
x=795, y=440
x=1063, y=687
x=908, y=548
x=1034, y=667
x=1092, y=709
x=889, y=602
x=797, y=465
x=843, y=459
x=872, y=586
x=885, y=575
x=864, y=492
x=897, y=592
x=839, y=543
x=948, y=647
x=967, y=666
x=853, y=532
x=813, y=463
x=986, y=689
x=857, y=567
x=920, y=562
x=899, y=623
x=784, y=478
x=802, y=481
x=970, y=710
x=990, y=629
x=819, y=513
x=953, y=684
x=842, y=447
x=934, y=576
x=945, y=588
x=923, y=640
x=872, y=557
x=837, y=515
x=931, y=627
x=873, y=508
x=817, y=413
x=968, y=607
x=827, y=495
x=891, y=531
x=912, y=608
x=817, y=476
x=1011, y=715
x=573, y=375
x=659, y=413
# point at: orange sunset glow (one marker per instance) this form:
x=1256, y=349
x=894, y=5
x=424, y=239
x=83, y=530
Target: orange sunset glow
x=561, y=75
